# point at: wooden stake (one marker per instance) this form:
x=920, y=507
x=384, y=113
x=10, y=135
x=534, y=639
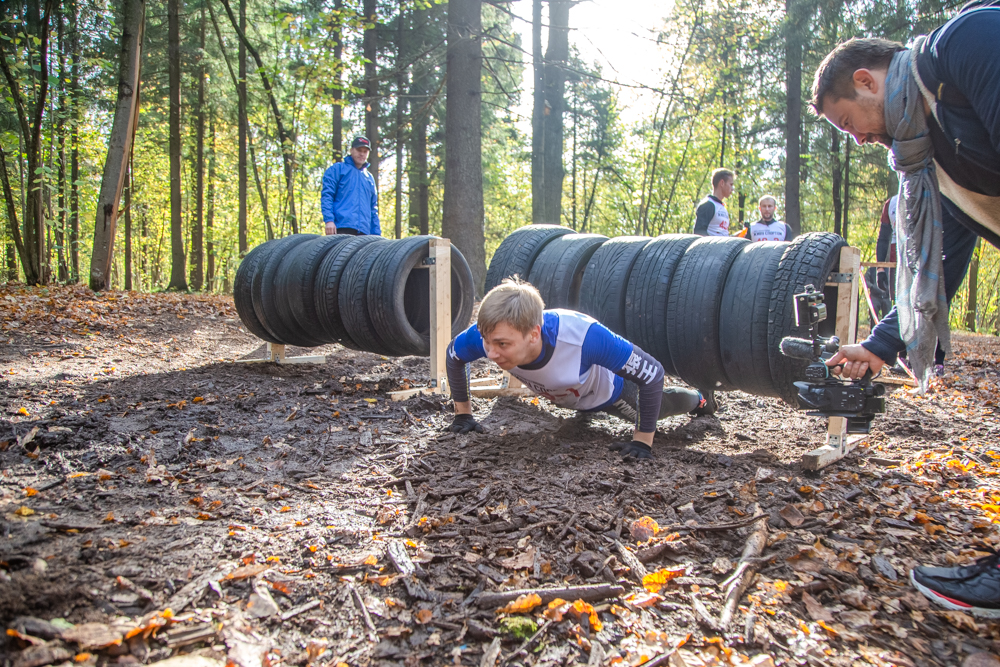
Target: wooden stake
x=737, y=584
x=440, y=296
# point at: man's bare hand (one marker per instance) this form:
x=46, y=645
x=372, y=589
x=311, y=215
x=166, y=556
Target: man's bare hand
x=854, y=361
x=331, y=228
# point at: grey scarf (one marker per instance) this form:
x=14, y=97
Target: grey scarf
x=920, y=296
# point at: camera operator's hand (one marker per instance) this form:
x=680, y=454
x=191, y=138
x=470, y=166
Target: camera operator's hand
x=855, y=360
x=882, y=280
x=464, y=424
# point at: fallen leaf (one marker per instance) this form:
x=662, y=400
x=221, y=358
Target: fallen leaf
x=28, y=491
x=246, y=571
x=817, y=611
x=521, y=561
x=579, y=609
x=960, y=620
x=522, y=604
x=556, y=609
x=92, y=636
x=792, y=515
x=643, y=529
x=654, y=581
x=643, y=599
x=423, y=615
x=370, y=560
x=24, y=511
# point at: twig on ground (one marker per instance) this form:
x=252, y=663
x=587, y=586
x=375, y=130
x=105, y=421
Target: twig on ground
x=745, y=569
x=401, y=559
x=636, y=569
x=587, y=593
x=372, y=633
x=710, y=526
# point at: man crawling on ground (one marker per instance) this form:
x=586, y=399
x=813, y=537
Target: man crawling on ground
x=571, y=359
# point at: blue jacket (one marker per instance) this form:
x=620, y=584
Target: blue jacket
x=349, y=198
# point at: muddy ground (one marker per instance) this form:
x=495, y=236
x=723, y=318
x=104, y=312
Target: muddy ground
x=271, y=510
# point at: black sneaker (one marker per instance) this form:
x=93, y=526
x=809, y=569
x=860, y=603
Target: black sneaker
x=708, y=404
x=973, y=588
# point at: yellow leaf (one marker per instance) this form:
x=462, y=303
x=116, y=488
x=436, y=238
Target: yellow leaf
x=28, y=491
x=24, y=511
x=23, y=412
x=654, y=581
x=522, y=604
x=780, y=586
x=371, y=400
x=78, y=474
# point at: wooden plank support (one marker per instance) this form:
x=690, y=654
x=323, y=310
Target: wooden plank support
x=508, y=386
x=276, y=353
x=838, y=444
x=439, y=276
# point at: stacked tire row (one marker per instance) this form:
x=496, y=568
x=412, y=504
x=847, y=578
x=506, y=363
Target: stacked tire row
x=364, y=292
x=712, y=310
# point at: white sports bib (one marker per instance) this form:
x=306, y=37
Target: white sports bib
x=560, y=380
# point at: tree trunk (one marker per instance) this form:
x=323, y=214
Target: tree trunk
x=198, y=229
x=35, y=258
x=838, y=175
x=178, y=275
x=210, y=213
x=463, y=184
x=556, y=59
x=60, y=229
x=847, y=186
x=119, y=145
x=973, y=297
x=74, y=171
x=537, y=119
x=337, y=141
x=12, y=224
x=285, y=138
x=241, y=92
x=793, y=113
x=371, y=102
x=419, y=196
x=127, y=214
x=401, y=59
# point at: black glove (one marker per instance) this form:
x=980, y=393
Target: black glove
x=635, y=449
x=464, y=424
x=882, y=280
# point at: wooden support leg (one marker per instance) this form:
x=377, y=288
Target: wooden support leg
x=440, y=295
x=838, y=445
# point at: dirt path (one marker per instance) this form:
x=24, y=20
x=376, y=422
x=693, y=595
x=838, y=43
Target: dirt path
x=267, y=507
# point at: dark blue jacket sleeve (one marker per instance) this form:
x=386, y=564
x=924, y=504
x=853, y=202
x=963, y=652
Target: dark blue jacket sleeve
x=975, y=68
x=328, y=193
x=884, y=341
x=376, y=227
x=603, y=347
x=703, y=216
x=467, y=347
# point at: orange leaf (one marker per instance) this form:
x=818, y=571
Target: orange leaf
x=556, y=609
x=654, y=581
x=28, y=491
x=197, y=399
x=246, y=571
x=286, y=508
x=643, y=529
x=934, y=529
x=423, y=615
x=110, y=517
x=581, y=609
x=370, y=560
x=522, y=604
x=81, y=657
x=643, y=599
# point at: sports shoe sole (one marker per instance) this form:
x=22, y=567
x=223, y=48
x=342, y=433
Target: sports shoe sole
x=949, y=603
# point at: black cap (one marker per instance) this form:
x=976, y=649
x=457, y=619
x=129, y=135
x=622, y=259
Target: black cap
x=361, y=142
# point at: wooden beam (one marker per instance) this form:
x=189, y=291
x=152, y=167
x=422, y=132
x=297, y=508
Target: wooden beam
x=440, y=296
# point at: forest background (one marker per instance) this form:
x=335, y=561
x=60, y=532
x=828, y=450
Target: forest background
x=242, y=104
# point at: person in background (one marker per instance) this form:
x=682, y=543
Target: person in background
x=711, y=216
x=768, y=228
x=349, y=199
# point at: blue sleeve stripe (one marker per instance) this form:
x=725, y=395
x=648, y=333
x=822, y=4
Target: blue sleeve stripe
x=469, y=345
x=603, y=347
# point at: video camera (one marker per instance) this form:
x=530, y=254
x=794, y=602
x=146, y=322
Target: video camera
x=821, y=393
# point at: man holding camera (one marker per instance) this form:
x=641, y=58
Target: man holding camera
x=936, y=106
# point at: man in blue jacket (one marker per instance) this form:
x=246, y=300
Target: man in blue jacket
x=349, y=199
x=936, y=106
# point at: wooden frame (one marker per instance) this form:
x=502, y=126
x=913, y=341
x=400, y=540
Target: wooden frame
x=276, y=353
x=838, y=443
x=438, y=267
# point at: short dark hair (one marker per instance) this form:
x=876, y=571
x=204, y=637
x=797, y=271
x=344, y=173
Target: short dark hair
x=835, y=75
x=720, y=175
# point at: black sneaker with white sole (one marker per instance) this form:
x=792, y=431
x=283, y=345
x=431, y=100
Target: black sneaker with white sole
x=971, y=588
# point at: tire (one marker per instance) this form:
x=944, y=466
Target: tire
x=693, y=311
x=398, y=296
x=605, y=281
x=519, y=250
x=295, y=287
x=808, y=260
x=326, y=291
x=558, y=271
x=265, y=293
x=353, y=298
x=746, y=303
x=243, y=294
x=647, y=292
